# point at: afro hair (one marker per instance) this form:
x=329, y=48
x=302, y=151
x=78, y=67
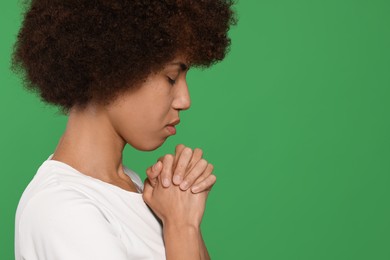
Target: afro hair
x=76, y=51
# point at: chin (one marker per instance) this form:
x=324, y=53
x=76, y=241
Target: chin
x=147, y=147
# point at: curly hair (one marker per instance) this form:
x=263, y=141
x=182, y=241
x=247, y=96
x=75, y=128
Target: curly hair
x=76, y=51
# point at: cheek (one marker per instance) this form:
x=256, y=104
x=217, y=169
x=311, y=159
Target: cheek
x=155, y=113
x=145, y=136
x=141, y=120
x=145, y=128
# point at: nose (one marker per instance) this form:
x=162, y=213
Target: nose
x=182, y=99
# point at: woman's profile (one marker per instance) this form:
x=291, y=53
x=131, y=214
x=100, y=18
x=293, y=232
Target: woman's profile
x=117, y=69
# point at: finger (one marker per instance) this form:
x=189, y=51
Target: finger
x=149, y=174
x=153, y=172
x=161, y=159
x=206, y=181
x=196, y=156
x=205, y=185
x=166, y=172
x=147, y=192
x=194, y=174
x=179, y=149
x=181, y=166
x=209, y=170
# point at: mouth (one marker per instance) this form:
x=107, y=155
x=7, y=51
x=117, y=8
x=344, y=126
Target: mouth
x=171, y=126
x=171, y=129
x=176, y=122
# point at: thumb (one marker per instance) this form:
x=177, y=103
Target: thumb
x=153, y=172
x=148, y=191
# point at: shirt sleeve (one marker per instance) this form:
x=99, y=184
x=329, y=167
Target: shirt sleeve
x=65, y=225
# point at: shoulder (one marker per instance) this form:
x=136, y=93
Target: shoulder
x=56, y=198
x=59, y=221
x=52, y=191
x=57, y=206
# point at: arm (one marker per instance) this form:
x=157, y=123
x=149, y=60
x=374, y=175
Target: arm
x=183, y=243
x=181, y=213
x=205, y=254
x=197, y=172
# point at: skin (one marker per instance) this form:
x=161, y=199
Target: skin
x=181, y=226
x=95, y=137
x=189, y=170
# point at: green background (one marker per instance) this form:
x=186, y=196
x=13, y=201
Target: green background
x=295, y=120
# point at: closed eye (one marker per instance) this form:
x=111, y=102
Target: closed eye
x=171, y=81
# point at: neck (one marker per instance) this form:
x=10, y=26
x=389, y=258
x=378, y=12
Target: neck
x=91, y=145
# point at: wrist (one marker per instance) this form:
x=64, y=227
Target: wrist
x=182, y=241
x=181, y=226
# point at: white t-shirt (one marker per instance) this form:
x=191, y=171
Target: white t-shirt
x=66, y=215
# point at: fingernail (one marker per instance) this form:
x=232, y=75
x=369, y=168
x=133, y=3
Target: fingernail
x=166, y=182
x=176, y=179
x=184, y=185
x=195, y=189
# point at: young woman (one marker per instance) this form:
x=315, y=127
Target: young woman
x=118, y=69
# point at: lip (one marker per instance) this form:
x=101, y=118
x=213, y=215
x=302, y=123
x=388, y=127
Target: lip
x=171, y=129
x=171, y=126
x=176, y=122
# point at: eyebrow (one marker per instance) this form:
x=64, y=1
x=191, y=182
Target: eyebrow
x=182, y=66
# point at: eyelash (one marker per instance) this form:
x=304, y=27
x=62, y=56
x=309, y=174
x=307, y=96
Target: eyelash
x=171, y=81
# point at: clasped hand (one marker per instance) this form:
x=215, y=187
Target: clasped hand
x=177, y=186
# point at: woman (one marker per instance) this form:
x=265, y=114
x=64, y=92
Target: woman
x=118, y=70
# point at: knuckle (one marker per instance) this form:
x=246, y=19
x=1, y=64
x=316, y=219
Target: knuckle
x=197, y=172
x=166, y=172
x=180, y=166
x=178, y=172
x=190, y=178
x=203, y=185
x=181, y=172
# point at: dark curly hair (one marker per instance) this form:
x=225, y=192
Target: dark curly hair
x=73, y=52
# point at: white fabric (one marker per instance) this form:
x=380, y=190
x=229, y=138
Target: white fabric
x=66, y=215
